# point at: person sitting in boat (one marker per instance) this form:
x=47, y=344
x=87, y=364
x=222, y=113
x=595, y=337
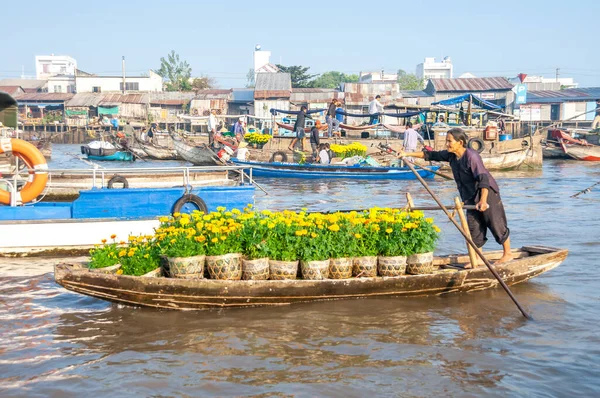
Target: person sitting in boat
x=476, y=187
x=315, y=140
x=239, y=129
x=323, y=156
x=299, y=128
x=242, y=151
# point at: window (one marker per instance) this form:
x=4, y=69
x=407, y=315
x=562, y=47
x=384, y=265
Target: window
x=96, y=89
x=131, y=86
x=45, y=68
x=58, y=89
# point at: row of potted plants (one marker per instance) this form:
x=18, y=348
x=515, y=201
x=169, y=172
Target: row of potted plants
x=347, y=151
x=273, y=244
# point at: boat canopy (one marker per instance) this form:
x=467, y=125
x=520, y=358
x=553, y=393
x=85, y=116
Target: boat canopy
x=274, y=112
x=469, y=97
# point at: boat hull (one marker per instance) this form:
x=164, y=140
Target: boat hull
x=181, y=294
x=117, y=156
x=585, y=153
x=289, y=170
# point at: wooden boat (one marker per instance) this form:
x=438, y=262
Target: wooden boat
x=504, y=161
x=318, y=171
x=182, y=294
x=578, y=149
x=553, y=150
x=157, y=152
x=101, y=150
x=198, y=155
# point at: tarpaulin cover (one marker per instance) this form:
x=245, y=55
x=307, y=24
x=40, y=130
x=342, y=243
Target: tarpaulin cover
x=468, y=97
x=113, y=110
x=76, y=112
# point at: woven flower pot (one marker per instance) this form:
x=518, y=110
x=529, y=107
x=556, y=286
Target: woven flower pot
x=155, y=273
x=391, y=266
x=315, y=270
x=186, y=267
x=225, y=267
x=106, y=270
x=257, y=269
x=340, y=268
x=283, y=269
x=420, y=263
x=364, y=267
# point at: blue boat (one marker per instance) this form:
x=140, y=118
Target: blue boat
x=318, y=171
x=119, y=156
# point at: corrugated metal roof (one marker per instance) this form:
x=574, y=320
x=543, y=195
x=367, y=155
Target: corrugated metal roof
x=171, y=98
x=413, y=93
x=273, y=82
x=124, y=99
x=315, y=95
x=85, y=99
x=242, y=95
x=571, y=94
x=11, y=90
x=56, y=97
x=213, y=94
x=25, y=83
x=470, y=84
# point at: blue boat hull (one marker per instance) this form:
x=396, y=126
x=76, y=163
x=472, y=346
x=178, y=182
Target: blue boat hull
x=118, y=156
x=293, y=170
x=129, y=204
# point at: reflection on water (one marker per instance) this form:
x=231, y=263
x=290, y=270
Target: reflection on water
x=58, y=343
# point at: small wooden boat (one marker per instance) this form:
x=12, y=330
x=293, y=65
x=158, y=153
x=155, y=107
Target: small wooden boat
x=157, y=152
x=198, y=155
x=578, y=149
x=504, y=161
x=102, y=150
x=182, y=294
x=317, y=171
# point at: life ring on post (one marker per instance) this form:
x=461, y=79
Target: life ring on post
x=192, y=199
x=117, y=179
x=36, y=165
x=476, y=144
x=283, y=155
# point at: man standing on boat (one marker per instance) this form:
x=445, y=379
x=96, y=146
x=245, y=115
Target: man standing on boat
x=596, y=121
x=476, y=187
x=299, y=128
x=212, y=127
x=375, y=110
x=411, y=138
x=332, y=123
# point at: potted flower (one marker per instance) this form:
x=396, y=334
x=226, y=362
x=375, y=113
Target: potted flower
x=253, y=236
x=183, y=244
x=282, y=244
x=340, y=242
x=363, y=248
x=422, y=236
x=140, y=258
x=105, y=258
x=223, y=244
x=256, y=139
x=392, y=244
x=313, y=248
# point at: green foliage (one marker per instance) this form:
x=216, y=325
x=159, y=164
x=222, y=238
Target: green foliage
x=253, y=235
x=250, y=83
x=181, y=238
x=409, y=81
x=176, y=72
x=202, y=83
x=105, y=255
x=332, y=79
x=140, y=257
x=300, y=77
x=422, y=237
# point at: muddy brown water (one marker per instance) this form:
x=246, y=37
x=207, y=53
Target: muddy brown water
x=57, y=343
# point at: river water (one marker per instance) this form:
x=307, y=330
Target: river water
x=57, y=343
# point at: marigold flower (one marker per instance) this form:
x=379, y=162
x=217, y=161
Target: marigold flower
x=113, y=236
x=214, y=240
x=103, y=240
x=388, y=230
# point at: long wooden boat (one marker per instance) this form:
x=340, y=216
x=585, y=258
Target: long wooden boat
x=318, y=171
x=198, y=155
x=182, y=294
x=578, y=149
x=504, y=161
x=158, y=152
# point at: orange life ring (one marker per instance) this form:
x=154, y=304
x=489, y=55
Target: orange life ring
x=36, y=164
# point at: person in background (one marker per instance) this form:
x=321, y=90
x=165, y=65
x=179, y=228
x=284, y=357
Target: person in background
x=128, y=129
x=375, y=109
x=501, y=126
x=212, y=127
x=242, y=151
x=596, y=121
x=115, y=122
x=476, y=187
x=299, y=128
x=239, y=129
x=315, y=140
x=152, y=131
x=411, y=137
x=323, y=156
x=332, y=123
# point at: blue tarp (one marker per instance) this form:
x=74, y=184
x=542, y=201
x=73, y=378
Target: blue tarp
x=467, y=97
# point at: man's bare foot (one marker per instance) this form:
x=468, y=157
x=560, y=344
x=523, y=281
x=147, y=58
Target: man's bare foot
x=505, y=258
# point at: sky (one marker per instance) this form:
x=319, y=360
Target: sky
x=217, y=38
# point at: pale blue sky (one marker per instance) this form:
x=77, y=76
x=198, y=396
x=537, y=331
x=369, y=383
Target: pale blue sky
x=217, y=38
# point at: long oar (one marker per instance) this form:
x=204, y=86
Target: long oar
x=468, y=239
x=425, y=168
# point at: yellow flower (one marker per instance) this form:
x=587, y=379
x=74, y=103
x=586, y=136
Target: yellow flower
x=388, y=230
x=357, y=236
x=103, y=240
x=214, y=240
x=334, y=227
x=436, y=229
x=123, y=253
x=270, y=225
x=313, y=235
x=119, y=271
x=163, y=219
x=113, y=236
x=220, y=209
x=184, y=221
x=223, y=237
x=176, y=214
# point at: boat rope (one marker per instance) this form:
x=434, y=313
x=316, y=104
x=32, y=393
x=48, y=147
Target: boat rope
x=584, y=191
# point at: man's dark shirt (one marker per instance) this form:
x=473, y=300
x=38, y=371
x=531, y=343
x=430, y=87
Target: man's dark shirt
x=469, y=173
x=314, y=136
x=331, y=110
x=300, y=120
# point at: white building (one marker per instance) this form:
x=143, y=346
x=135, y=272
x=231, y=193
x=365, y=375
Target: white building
x=539, y=83
x=430, y=69
x=88, y=83
x=377, y=77
x=262, y=62
x=58, y=70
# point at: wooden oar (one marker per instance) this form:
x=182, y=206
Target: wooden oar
x=469, y=240
x=588, y=189
x=425, y=168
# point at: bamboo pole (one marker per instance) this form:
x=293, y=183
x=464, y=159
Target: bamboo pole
x=470, y=241
x=463, y=221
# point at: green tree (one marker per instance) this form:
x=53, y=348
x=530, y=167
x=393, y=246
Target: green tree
x=202, y=83
x=299, y=75
x=409, y=81
x=332, y=79
x=176, y=72
x=250, y=83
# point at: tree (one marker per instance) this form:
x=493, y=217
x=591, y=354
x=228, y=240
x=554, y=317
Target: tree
x=250, y=83
x=176, y=72
x=332, y=79
x=409, y=81
x=298, y=74
x=202, y=83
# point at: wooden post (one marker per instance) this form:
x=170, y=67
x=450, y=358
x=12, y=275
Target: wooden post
x=465, y=226
x=409, y=200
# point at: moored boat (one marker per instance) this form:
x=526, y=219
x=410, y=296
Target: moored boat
x=577, y=148
x=198, y=155
x=102, y=150
x=157, y=152
x=318, y=171
x=189, y=294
